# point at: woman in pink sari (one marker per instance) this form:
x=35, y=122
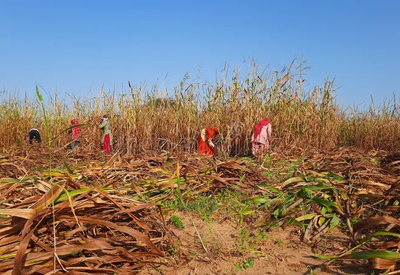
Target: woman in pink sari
x=261, y=137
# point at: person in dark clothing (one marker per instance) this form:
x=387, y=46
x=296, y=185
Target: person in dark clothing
x=34, y=135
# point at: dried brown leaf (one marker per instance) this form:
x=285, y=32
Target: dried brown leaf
x=375, y=221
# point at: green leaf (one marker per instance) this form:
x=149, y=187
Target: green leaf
x=9, y=180
x=334, y=222
x=259, y=200
x=64, y=197
x=306, y=217
x=68, y=169
x=323, y=257
x=320, y=187
x=2, y=257
x=248, y=212
x=39, y=95
x=385, y=233
x=276, y=212
x=373, y=254
x=327, y=204
x=177, y=221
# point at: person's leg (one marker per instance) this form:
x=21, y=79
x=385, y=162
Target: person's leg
x=255, y=149
x=74, y=145
x=31, y=137
x=39, y=140
x=34, y=135
x=106, y=144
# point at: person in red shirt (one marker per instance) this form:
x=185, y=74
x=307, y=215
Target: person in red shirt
x=206, y=146
x=76, y=134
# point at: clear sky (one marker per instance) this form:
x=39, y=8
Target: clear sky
x=77, y=45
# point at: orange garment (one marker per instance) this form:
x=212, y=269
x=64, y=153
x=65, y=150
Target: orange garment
x=206, y=147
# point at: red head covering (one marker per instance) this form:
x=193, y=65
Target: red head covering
x=260, y=125
x=76, y=131
x=212, y=132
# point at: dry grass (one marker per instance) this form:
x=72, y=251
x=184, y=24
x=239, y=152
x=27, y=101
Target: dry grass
x=107, y=220
x=146, y=120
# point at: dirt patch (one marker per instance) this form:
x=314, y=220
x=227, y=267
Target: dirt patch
x=231, y=248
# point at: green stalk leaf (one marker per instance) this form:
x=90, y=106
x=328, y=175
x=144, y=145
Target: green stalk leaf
x=39, y=95
x=373, y=254
x=385, y=233
x=64, y=196
x=306, y=217
x=323, y=257
x=334, y=222
x=327, y=204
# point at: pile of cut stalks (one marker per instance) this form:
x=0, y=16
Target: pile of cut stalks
x=100, y=214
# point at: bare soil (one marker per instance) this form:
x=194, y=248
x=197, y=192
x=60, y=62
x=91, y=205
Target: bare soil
x=280, y=252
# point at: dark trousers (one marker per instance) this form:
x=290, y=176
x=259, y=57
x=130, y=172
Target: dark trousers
x=34, y=134
x=75, y=143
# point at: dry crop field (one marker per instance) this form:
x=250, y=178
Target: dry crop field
x=324, y=200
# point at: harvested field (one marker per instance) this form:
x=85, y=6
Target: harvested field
x=185, y=214
x=321, y=195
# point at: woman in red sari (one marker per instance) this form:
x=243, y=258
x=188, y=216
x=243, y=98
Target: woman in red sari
x=206, y=146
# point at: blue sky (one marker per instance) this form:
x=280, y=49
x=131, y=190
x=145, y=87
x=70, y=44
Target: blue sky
x=74, y=46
